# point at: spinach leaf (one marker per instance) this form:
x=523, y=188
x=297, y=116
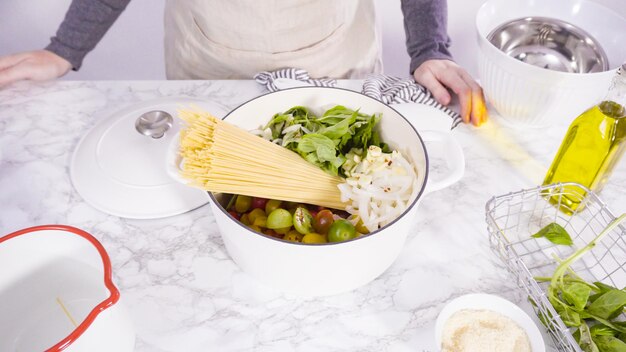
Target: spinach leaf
x=555, y=233
x=608, y=305
x=609, y=344
x=576, y=294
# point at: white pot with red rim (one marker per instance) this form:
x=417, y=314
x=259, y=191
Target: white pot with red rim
x=57, y=294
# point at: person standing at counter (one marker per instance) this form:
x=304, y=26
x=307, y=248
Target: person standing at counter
x=219, y=39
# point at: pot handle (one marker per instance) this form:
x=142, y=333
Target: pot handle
x=455, y=159
x=173, y=161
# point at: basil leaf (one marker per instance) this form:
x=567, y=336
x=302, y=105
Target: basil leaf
x=604, y=287
x=576, y=294
x=555, y=233
x=340, y=129
x=609, y=344
x=325, y=140
x=569, y=316
x=609, y=305
x=585, y=341
x=602, y=330
x=613, y=325
x=310, y=142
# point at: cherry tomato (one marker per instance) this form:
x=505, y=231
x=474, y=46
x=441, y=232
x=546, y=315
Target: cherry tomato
x=279, y=219
x=255, y=228
x=244, y=219
x=314, y=238
x=234, y=214
x=260, y=221
x=272, y=233
x=255, y=213
x=272, y=205
x=341, y=230
x=283, y=230
x=259, y=203
x=293, y=236
x=242, y=204
x=302, y=220
x=323, y=220
x=358, y=223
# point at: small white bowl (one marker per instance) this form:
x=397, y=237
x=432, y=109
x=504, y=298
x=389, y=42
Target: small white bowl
x=496, y=304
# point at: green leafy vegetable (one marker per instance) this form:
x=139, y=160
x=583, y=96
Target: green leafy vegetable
x=609, y=344
x=592, y=308
x=585, y=340
x=576, y=294
x=602, y=330
x=556, y=234
x=609, y=305
x=325, y=140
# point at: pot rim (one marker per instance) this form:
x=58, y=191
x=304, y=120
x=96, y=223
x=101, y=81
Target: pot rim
x=108, y=282
x=406, y=211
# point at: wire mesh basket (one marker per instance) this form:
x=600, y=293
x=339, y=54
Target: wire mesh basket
x=514, y=217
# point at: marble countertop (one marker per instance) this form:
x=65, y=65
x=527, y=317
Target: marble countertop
x=185, y=294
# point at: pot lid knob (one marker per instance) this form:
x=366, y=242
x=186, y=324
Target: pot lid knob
x=154, y=123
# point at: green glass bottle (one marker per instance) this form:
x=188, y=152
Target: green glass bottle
x=593, y=145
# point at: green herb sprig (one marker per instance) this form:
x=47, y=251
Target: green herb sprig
x=593, y=309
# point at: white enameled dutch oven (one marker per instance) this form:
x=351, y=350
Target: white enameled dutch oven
x=325, y=269
x=56, y=294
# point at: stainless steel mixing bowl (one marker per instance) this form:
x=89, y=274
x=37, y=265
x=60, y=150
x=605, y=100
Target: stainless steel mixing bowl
x=550, y=43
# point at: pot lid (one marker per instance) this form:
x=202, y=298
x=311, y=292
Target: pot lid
x=119, y=166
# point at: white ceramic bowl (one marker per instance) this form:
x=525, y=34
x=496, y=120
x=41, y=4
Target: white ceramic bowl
x=496, y=304
x=314, y=270
x=58, y=294
x=527, y=95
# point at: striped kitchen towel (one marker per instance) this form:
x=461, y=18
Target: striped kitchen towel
x=388, y=89
x=395, y=90
x=267, y=78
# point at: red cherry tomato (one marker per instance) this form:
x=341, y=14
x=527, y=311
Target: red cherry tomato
x=234, y=214
x=323, y=220
x=259, y=203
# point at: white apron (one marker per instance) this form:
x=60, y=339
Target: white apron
x=234, y=39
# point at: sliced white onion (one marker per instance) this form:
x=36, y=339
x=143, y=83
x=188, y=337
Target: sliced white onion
x=379, y=187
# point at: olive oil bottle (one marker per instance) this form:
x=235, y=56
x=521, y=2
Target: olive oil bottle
x=593, y=145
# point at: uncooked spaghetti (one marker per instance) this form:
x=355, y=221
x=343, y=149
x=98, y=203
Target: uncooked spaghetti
x=220, y=157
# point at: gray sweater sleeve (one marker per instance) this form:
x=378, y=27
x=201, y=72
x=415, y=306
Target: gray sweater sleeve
x=425, y=23
x=84, y=25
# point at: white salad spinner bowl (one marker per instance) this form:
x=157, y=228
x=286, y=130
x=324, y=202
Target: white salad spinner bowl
x=325, y=269
x=527, y=95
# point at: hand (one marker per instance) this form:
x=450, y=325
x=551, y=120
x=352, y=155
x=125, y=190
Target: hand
x=440, y=75
x=39, y=65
